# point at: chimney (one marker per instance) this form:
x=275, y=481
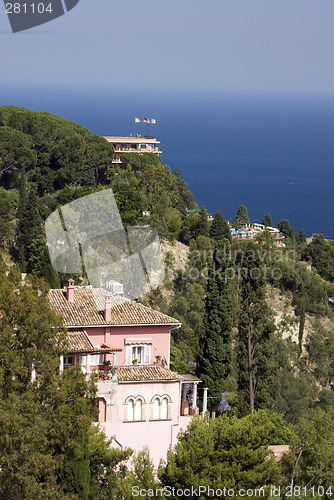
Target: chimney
x=107, y=308
x=70, y=290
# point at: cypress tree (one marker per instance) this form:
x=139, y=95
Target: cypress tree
x=267, y=221
x=21, y=257
x=214, y=361
x=22, y=194
x=219, y=228
x=241, y=218
x=302, y=236
x=203, y=225
x=255, y=329
x=32, y=250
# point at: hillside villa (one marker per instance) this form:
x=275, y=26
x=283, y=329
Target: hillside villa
x=125, y=346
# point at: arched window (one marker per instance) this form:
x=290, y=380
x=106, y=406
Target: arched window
x=130, y=410
x=164, y=409
x=137, y=410
x=161, y=407
x=134, y=409
x=156, y=409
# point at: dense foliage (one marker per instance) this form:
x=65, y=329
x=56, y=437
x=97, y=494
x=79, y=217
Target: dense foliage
x=249, y=358
x=222, y=452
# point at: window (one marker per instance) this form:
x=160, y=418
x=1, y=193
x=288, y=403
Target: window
x=131, y=408
x=137, y=353
x=134, y=409
x=69, y=360
x=156, y=409
x=161, y=408
x=96, y=359
x=142, y=353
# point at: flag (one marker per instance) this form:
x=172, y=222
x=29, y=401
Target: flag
x=137, y=120
x=153, y=121
x=145, y=120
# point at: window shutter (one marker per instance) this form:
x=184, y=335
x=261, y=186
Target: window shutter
x=147, y=354
x=128, y=355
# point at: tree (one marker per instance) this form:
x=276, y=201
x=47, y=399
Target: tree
x=286, y=230
x=320, y=348
x=140, y=477
x=15, y=151
x=320, y=253
x=97, y=156
x=255, y=328
x=241, y=218
x=203, y=225
x=302, y=236
x=22, y=193
x=8, y=205
x=104, y=459
x=28, y=339
x=267, y=221
x=222, y=452
x=214, y=360
x=32, y=251
x=219, y=228
x=54, y=151
x=310, y=460
x=48, y=448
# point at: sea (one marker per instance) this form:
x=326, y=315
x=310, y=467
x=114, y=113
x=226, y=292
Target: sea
x=272, y=152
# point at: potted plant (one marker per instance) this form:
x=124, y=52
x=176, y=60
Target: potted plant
x=157, y=360
x=106, y=366
x=135, y=362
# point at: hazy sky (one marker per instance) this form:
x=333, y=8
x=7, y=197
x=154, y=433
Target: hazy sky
x=207, y=44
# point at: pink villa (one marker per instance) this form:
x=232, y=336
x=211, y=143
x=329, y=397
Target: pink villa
x=141, y=401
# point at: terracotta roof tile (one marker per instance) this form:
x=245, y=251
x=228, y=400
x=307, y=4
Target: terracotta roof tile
x=87, y=309
x=80, y=343
x=145, y=373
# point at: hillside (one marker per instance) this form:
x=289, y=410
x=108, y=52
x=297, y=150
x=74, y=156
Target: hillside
x=47, y=162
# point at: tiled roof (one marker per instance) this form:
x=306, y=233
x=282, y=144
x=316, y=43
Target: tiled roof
x=188, y=377
x=145, y=373
x=79, y=342
x=87, y=309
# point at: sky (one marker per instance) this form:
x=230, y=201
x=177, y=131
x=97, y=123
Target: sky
x=260, y=45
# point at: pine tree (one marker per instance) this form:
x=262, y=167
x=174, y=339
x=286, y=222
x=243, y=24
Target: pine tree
x=225, y=451
x=219, y=228
x=267, y=221
x=214, y=361
x=241, y=218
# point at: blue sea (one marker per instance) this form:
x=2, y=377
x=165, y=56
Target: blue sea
x=271, y=152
